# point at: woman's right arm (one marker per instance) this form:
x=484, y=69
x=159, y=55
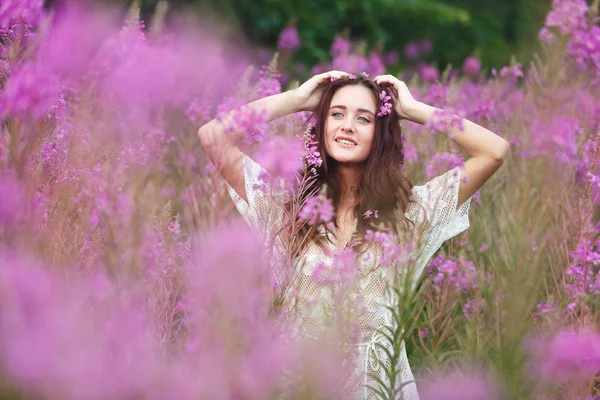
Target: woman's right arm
x=221, y=148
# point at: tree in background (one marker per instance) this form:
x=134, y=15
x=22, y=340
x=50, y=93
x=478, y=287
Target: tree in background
x=493, y=31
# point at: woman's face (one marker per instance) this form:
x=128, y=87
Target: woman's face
x=350, y=124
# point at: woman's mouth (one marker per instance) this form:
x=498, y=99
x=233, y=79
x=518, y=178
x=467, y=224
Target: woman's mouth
x=346, y=142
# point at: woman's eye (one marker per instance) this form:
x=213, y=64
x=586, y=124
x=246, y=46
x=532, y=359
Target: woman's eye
x=365, y=119
x=336, y=114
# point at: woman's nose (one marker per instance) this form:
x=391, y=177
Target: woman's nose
x=348, y=125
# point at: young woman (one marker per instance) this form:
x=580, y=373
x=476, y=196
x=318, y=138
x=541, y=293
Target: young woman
x=358, y=135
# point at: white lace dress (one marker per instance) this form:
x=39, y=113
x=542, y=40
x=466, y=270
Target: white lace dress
x=435, y=204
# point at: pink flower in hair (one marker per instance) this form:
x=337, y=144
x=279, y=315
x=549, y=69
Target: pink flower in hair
x=386, y=107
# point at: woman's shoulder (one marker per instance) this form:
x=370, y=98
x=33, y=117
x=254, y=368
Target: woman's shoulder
x=435, y=194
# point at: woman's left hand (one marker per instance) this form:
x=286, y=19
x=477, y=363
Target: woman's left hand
x=406, y=106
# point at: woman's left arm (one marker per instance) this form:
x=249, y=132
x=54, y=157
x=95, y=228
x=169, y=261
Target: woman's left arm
x=486, y=150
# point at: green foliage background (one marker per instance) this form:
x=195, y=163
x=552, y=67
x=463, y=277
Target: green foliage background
x=493, y=30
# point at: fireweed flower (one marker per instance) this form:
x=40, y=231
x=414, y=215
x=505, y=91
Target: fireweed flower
x=428, y=73
x=30, y=91
x=318, y=208
x=392, y=252
x=350, y=62
x=461, y=386
x=442, y=162
x=75, y=36
x=268, y=83
x=442, y=120
x=199, y=111
x=253, y=124
x=426, y=46
x=369, y=213
x=569, y=357
x=485, y=109
x=515, y=71
x=584, y=47
x=340, y=46
x=342, y=271
x=473, y=307
x=376, y=64
x=411, y=153
x=12, y=197
x=386, y=107
x=289, y=39
x=472, y=66
x=21, y=11
x=391, y=57
x=412, y=50
x=545, y=35
x=281, y=157
x=583, y=273
x=460, y=274
x=312, y=155
x=594, y=179
x=567, y=15
x=545, y=307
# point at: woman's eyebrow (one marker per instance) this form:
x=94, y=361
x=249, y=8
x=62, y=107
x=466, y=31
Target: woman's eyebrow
x=362, y=110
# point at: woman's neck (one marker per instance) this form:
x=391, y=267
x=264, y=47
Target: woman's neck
x=350, y=180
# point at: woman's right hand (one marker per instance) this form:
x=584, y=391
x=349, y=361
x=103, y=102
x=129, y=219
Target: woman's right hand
x=309, y=93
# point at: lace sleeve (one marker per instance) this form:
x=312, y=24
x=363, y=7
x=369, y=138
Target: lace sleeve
x=435, y=209
x=264, y=209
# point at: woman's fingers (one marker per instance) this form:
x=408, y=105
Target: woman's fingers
x=334, y=74
x=392, y=80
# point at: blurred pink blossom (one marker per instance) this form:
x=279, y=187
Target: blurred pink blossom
x=340, y=46
x=75, y=36
x=289, y=39
x=318, y=208
x=445, y=121
x=426, y=46
x=30, y=91
x=428, y=73
x=21, y=11
x=514, y=71
x=584, y=47
x=281, y=157
x=570, y=357
x=567, y=15
x=412, y=50
x=462, y=386
x=472, y=66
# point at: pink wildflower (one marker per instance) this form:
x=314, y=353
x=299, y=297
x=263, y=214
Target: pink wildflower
x=472, y=66
x=567, y=15
x=21, y=11
x=386, y=107
x=442, y=162
x=461, y=386
x=514, y=71
x=281, y=157
x=443, y=121
x=30, y=91
x=289, y=39
x=569, y=357
x=412, y=51
x=339, y=46
x=317, y=209
x=428, y=73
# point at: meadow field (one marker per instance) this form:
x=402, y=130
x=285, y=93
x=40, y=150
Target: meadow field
x=127, y=273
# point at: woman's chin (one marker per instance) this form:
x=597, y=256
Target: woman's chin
x=347, y=157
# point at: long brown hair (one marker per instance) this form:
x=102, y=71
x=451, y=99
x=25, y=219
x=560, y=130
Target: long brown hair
x=383, y=184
